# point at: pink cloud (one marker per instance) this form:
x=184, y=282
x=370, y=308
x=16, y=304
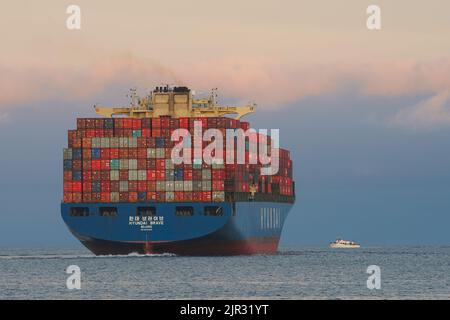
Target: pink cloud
x=263, y=80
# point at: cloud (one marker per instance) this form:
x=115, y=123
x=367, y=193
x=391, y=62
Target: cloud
x=432, y=112
x=267, y=81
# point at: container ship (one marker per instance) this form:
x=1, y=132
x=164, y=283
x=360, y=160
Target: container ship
x=124, y=193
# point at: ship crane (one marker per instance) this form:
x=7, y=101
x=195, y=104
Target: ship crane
x=174, y=102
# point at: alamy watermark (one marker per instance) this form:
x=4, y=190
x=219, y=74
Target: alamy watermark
x=213, y=153
x=374, y=280
x=74, y=280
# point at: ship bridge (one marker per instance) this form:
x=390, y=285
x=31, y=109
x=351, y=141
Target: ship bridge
x=174, y=102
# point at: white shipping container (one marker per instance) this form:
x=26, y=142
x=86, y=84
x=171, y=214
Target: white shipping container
x=151, y=153
x=123, y=186
x=67, y=154
x=206, y=185
x=114, y=175
x=132, y=164
x=123, y=164
x=160, y=186
x=114, y=197
x=170, y=186
x=179, y=186
x=96, y=143
x=142, y=175
x=160, y=153
x=132, y=175
x=123, y=142
x=187, y=185
x=170, y=196
x=114, y=142
x=104, y=142
x=218, y=196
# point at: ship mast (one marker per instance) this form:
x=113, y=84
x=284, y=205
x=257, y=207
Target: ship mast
x=175, y=102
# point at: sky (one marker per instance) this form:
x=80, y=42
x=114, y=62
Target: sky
x=366, y=114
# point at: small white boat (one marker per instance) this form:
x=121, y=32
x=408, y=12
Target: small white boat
x=340, y=243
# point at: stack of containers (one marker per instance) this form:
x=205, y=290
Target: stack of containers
x=129, y=160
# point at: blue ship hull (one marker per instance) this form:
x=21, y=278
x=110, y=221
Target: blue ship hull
x=242, y=228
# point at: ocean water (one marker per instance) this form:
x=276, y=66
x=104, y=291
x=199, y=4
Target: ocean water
x=294, y=273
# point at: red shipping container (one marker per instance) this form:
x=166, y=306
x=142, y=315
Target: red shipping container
x=104, y=153
x=104, y=175
x=76, y=186
x=142, y=153
x=104, y=164
x=87, y=142
x=166, y=132
x=67, y=175
x=151, y=142
x=132, y=186
x=184, y=123
x=109, y=133
x=76, y=165
x=151, y=196
x=179, y=196
x=77, y=197
x=188, y=196
x=160, y=175
x=87, y=175
x=218, y=174
x=96, y=164
x=114, y=186
x=87, y=154
x=87, y=197
x=67, y=186
x=87, y=186
x=165, y=122
x=142, y=186
x=132, y=153
x=127, y=123
x=96, y=175
x=123, y=153
x=160, y=164
x=146, y=122
x=137, y=124
x=197, y=196
x=156, y=123
x=81, y=123
x=151, y=174
x=114, y=153
x=156, y=132
x=118, y=123
x=123, y=197
x=187, y=174
x=174, y=123
x=206, y=196
x=105, y=186
x=142, y=142
x=142, y=164
x=151, y=185
x=123, y=175
x=218, y=185
x=105, y=197
x=67, y=197
x=244, y=125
